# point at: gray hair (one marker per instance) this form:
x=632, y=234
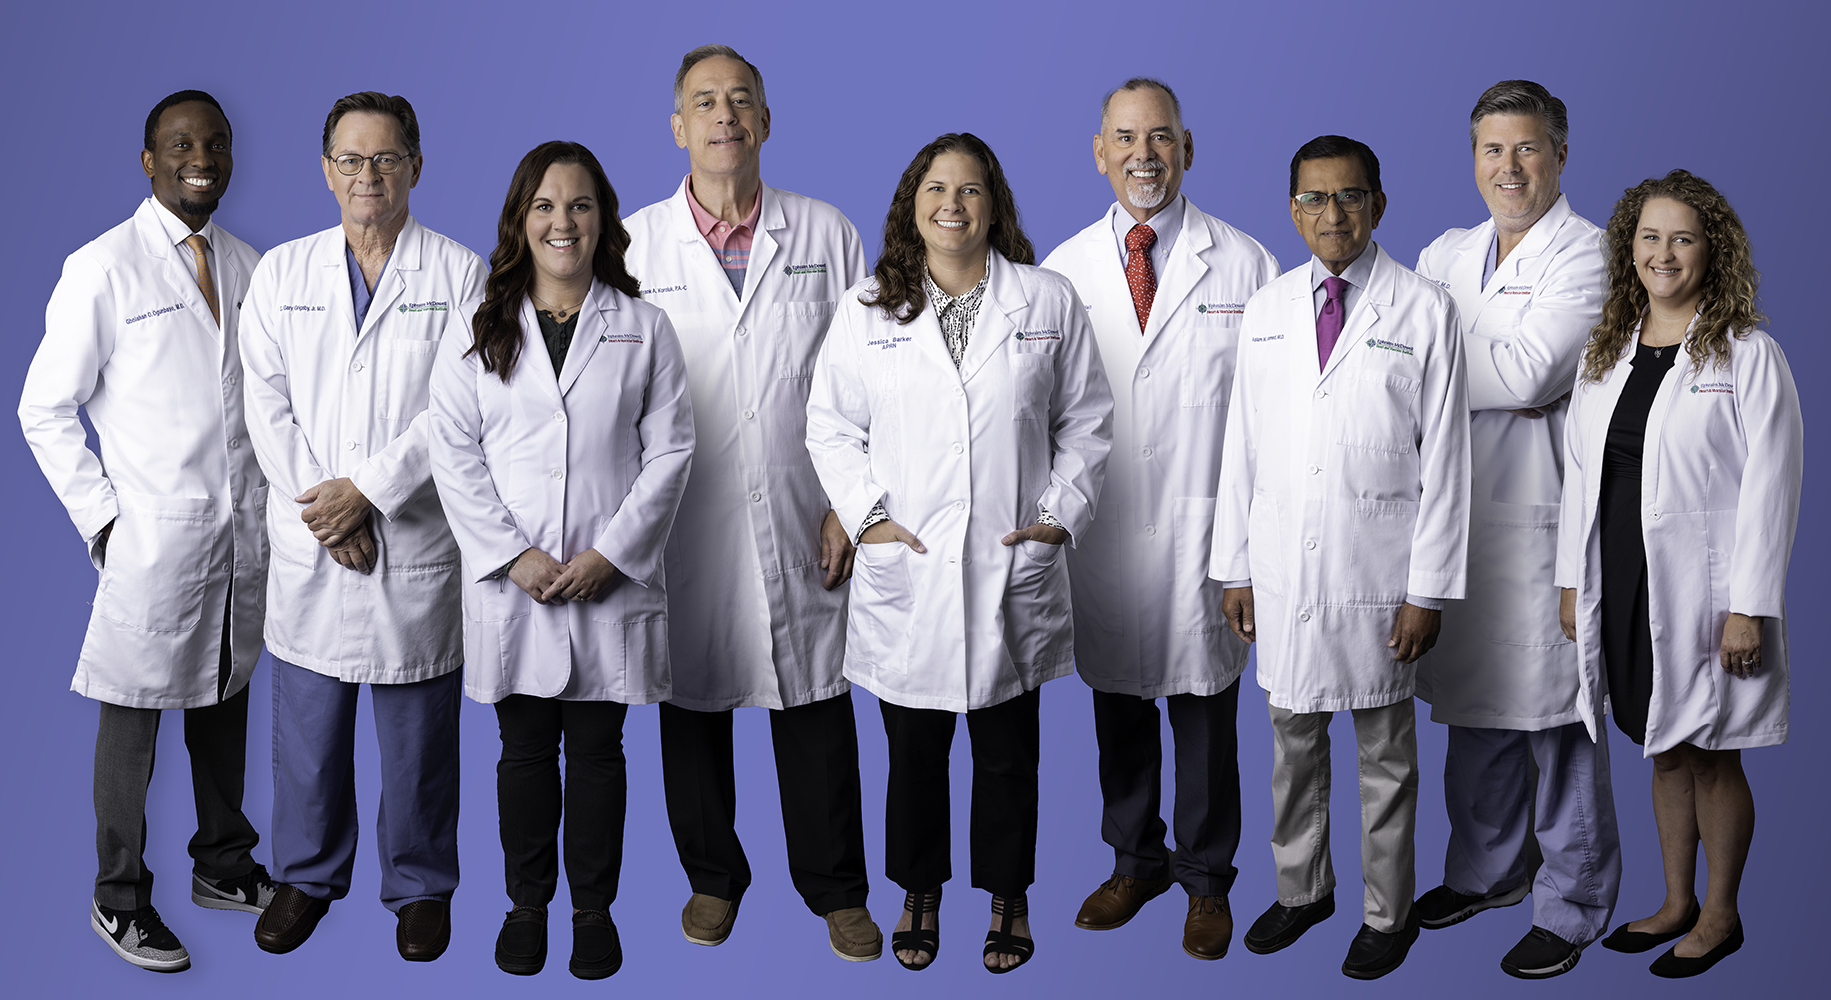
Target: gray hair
x=1522, y=97
x=1140, y=83
x=705, y=52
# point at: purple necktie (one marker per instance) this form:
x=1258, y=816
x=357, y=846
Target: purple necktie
x=1329, y=321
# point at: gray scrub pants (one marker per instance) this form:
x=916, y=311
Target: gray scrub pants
x=1491, y=810
x=1387, y=741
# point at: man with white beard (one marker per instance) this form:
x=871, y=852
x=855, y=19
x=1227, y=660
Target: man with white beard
x=1165, y=285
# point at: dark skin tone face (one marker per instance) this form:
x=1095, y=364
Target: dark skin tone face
x=190, y=162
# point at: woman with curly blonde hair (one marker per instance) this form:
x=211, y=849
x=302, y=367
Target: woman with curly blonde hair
x=1681, y=495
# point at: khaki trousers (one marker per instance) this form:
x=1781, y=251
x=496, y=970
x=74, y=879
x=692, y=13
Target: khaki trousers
x=1387, y=741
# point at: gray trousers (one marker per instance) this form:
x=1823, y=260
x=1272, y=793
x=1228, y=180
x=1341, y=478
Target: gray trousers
x=126, y=742
x=1387, y=741
x=1493, y=813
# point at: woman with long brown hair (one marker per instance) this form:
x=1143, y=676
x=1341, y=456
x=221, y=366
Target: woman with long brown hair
x=960, y=421
x=1681, y=495
x=561, y=439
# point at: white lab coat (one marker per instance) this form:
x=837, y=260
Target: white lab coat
x=129, y=338
x=962, y=457
x=1147, y=618
x=326, y=400
x=595, y=458
x=1342, y=494
x=749, y=622
x=1502, y=662
x=1720, y=481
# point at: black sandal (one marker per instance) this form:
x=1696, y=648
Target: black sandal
x=1002, y=941
x=916, y=938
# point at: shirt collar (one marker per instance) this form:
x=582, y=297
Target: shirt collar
x=704, y=221
x=176, y=231
x=943, y=301
x=1166, y=224
x=1356, y=274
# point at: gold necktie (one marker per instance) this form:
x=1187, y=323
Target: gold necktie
x=205, y=284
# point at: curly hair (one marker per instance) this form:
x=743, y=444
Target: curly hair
x=496, y=330
x=1731, y=283
x=899, y=269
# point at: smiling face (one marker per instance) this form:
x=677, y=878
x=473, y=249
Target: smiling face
x=190, y=161
x=953, y=208
x=1143, y=150
x=1670, y=253
x=369, y=198
x=564, y=224
x=1336, y=237
x=721, y=123
x=1517, y=168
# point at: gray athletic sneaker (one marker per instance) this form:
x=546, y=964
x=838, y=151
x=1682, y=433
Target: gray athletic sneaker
x=249, y=893
x=140, y=937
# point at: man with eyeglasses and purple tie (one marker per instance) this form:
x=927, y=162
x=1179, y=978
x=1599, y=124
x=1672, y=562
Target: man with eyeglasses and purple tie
x=339, y=336
x=1341, y=530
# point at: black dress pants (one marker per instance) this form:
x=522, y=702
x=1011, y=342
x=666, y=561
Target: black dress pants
x=530, y=799
x=1207, y=806
x=1006, y=747
x=816, y=748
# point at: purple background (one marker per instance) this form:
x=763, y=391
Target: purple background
x=1725, y=90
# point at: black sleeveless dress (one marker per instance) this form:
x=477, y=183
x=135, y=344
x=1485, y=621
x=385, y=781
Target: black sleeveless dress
x=1627, y=634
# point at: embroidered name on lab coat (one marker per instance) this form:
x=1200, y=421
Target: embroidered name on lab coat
x=664, y=289
x=888, y=343
x=301, y=309
x=150, y=313
x=1262, y=340
x=1513, y=289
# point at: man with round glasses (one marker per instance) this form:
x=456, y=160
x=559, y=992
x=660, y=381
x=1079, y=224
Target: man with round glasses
x=339, y=337
x=1342, y=527
x=1529, y=282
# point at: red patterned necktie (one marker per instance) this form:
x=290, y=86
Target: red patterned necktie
x=1138, y=272
x=1329, y=321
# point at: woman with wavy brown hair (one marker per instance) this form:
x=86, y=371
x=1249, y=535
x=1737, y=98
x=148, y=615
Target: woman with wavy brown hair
x=960, y=420
x=1681, y=495
x=561, y=435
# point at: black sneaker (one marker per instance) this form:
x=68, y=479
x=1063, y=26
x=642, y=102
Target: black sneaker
x=521, y=946
x=248, y=893
x=140, y=937
x=1444, y=906
x=1540, y=955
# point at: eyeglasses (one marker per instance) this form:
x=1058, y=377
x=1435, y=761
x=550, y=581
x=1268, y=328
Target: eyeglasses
x=1313, y=202
x=350, y=164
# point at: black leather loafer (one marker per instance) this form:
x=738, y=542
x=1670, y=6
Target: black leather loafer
x=597, y=951
x=1375, y=953
x=423, y=929
x=289, y=919
x=521, y=945
x=1670, y=966
x=1280, y=927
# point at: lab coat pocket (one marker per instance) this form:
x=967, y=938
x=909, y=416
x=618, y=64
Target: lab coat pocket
x=405, y=377
x=1035, y=382
x=882, y=603
x=1379, y=561
x=496, y=600
x=1265, y=543
x=1381, y=408
x=1207, y=365
x=802, y=327
x=157, y=565
x=1195, y=600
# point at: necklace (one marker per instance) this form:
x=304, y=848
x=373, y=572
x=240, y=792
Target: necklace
x=558, y=312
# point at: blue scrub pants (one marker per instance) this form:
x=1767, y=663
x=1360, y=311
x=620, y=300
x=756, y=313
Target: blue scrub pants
x=1491, y=808
x=314, y=784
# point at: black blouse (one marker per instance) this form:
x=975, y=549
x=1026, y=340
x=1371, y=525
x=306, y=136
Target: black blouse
x=557, y=335
x=1627, y=428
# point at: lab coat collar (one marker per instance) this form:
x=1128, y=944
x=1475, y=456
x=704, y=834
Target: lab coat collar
x=763, y=240
x=1376, y=279
x=388, y=288
x=1181, y=273
x=1535, y=243
x=156, y=238
x=1004, y=295
x=594, y=320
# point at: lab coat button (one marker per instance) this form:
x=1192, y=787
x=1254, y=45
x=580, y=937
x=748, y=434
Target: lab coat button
x=741, y=331
x=1309, y=543
x=959, y=391
x=351, y=445
x=355, y=366
x=1656, y=515
x=1314, y=470
x=959, y=448
x=959, y=504
x=756, y=498
x=1144, y=373
x=235, y=442
x=1150, y=529
x=559, y=418
x=1304, y=617
x=951, y=560
x=1147, y=453
x=750, y=414
x=557, y=474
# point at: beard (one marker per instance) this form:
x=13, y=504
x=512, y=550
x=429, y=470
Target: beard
x=1146, y=195
x=195, y=209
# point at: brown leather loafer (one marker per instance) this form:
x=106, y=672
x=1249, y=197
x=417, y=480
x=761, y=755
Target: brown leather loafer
x=423, y=929
x=288, y=920
x=1118, y=900
x=1208, y=929
x=853, y=935
x=707, y=919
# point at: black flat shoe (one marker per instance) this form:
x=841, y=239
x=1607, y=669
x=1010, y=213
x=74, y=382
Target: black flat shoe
x=1373, y=953
x=1281, y=926
x=521, y=946
x=1002, y=941
x=1634, y=942
x=916, y=938
x=1670, y=966
x=597, y=952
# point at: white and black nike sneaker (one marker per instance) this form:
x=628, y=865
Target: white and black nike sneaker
x=140, y=937
x=249, y=893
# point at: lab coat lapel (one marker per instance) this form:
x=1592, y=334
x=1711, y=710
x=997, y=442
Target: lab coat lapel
x=1465, y=274
x=176, y=269
x=534, y=362
x=763, y=244
x=1509, y=271
x=594, y=325
x=1377, y=294
x=1185, y=269
x=392, y=286
x=994, y=326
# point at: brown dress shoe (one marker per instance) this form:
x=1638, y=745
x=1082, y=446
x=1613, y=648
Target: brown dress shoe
x=288, y=920
x=1208, y=929
x=1118, y=900
x=707, y=919
x=423, y=929
x=853, y=935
